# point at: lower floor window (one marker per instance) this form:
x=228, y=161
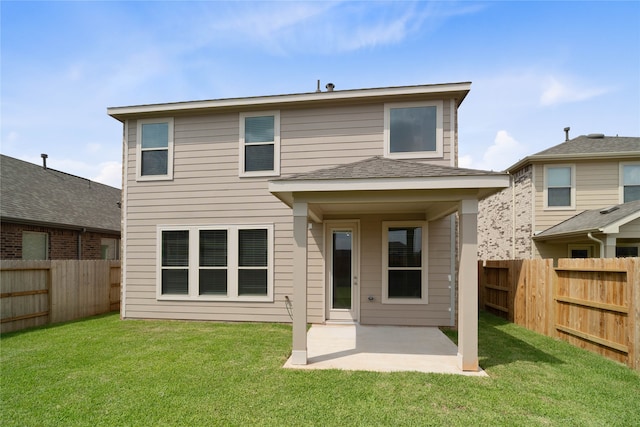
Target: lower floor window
x=404, y=262
x=232, y=262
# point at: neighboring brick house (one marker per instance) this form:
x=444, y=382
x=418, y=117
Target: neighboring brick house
x=48, y=214
x=587, y=173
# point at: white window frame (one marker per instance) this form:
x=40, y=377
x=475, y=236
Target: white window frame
x=572, y=206
x=232, y=263
x=39, y=234
x=276, y=144
x=385, y=262
x=439, y=151
x=621, y=177
x=110, y=243
x=169, y=175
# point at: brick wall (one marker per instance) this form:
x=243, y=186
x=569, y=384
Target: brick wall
x=63, y=243
x=497, y=222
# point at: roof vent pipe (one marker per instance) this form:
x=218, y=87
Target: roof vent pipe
x=566, y=133
x=44, y=161
x=318, y=89
x=330, y=87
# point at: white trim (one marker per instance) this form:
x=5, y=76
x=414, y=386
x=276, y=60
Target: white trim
x=123, y=215
x=545, y=201
x=453, y=138
x=276, y=144
x=170, y=137
x=423, y=183
x=232, y=263
x=437, y=153
x=329, y=227
x=621, y=166
x=423, y=268
x=120, y=112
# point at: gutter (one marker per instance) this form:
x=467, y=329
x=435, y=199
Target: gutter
x=590, y=236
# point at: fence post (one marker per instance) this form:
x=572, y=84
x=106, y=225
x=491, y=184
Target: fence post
x=633, y=282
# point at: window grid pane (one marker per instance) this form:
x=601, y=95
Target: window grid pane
x=155, y=135
x=252, y=281
x=631, y=193
x=412, y=129
x=154, y=162
x=559, y=177
x=213, y=281
x=405, y=247
x=259, y=157
x=405, y=283
x=259, y=129
x=213, y=248
x=175, y=281
x=252, y=248
x=631, y=174
x=559, y=196
x=175, y=248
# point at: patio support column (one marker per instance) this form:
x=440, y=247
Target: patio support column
x=610, y=246
x=468, y=287
x=299, y=353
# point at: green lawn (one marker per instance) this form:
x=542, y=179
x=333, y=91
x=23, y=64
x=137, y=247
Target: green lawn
x=103, y=371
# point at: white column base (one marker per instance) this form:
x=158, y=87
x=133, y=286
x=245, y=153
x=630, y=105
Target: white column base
x=299, y=357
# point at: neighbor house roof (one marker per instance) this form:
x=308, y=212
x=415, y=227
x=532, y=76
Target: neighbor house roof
x=34, y=195
x=458, y=91
x=586, y=146
x=607, y=220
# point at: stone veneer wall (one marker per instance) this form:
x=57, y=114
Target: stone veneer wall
x=496, y=220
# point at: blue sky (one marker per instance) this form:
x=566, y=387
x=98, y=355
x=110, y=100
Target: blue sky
x=535, y=67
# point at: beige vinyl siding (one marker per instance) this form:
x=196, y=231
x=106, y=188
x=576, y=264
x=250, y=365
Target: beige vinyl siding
x=436, y=312
x=206, y=190
x=596, y=187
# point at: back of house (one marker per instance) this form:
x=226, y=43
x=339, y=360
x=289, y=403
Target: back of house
x=352, y=195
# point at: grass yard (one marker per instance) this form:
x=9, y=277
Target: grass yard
x=103, y=371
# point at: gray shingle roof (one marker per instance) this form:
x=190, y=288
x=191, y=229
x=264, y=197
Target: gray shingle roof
x=32, y=194
x=381, y=167
x=592, y=220
x=590, y=144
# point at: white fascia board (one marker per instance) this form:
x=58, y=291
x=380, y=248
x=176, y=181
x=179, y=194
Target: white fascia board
x=614, y=228
x=431, y=183
x=568, y=157
x=258, y=101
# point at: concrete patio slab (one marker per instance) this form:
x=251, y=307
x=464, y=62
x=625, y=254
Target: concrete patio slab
x=381, y=349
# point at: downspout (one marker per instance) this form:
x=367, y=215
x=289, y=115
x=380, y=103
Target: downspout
x=513, y=215
x=590, y=236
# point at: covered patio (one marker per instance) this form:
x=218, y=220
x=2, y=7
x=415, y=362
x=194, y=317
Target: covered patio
x=389, y=187
x=358, y=347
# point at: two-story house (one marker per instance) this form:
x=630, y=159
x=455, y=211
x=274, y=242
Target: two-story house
x=50, y=214
x=346, y=204
x=578, y=199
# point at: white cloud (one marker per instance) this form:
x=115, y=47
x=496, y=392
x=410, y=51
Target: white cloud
x=93, y=147
x=504, y=152
x=110, y=174
x=556, y=91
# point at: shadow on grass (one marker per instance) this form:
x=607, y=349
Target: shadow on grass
x=7, y=335
x=497, y=347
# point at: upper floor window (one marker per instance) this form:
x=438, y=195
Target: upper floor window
x=155, y=149
x=559, y=187
x=630, y=179
x=260, y=144
x=413, y=130
x=404, y=262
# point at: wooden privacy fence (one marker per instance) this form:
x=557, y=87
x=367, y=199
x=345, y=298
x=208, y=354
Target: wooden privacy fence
x=35, y=293
x=591, y=303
